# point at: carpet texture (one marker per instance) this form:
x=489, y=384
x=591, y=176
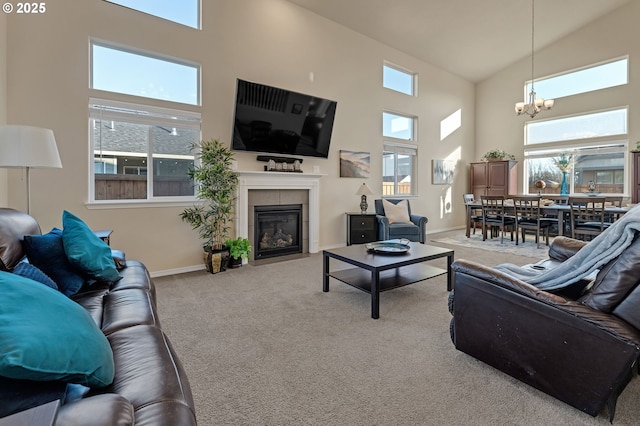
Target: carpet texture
x=529, y=248
x=263, y=345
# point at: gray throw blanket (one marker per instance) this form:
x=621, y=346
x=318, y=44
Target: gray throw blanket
x=605, y=247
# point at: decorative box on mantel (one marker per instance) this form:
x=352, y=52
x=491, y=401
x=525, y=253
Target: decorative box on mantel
x=261, y=180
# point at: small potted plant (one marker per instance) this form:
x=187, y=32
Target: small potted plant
x=497, y=155
x=239, y=250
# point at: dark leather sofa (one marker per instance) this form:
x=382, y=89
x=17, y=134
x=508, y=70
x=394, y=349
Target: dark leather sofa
x=579, y=346
x=150, y=385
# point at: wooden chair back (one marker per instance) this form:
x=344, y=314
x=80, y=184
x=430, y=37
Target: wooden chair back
x=587, y=216
x=494, y=215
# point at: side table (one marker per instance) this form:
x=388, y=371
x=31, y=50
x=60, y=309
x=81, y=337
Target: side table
x=361, y=228
x=104, y=235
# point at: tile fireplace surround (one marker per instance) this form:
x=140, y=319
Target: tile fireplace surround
x=279, y=181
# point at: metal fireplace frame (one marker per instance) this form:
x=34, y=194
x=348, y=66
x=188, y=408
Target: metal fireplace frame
x=277, y=209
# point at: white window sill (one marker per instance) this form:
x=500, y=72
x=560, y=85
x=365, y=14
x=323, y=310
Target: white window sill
x=138, y=204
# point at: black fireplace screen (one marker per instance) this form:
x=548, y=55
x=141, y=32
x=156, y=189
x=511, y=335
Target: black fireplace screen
x=278, y=230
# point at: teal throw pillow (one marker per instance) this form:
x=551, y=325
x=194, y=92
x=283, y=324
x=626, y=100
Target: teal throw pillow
x=86, y=251
x=46, y=336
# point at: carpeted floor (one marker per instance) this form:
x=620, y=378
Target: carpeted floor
x=263, y=345
x=529, y=248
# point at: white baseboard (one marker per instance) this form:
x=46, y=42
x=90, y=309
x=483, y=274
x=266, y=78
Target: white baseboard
x=435, y=231
x=175, y=271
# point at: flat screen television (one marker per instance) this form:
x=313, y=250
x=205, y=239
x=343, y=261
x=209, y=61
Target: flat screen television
x=278, y=121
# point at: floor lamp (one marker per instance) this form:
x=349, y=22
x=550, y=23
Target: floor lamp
x=28, y=147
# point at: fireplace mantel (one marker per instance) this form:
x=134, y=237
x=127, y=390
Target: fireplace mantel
x=248, y=180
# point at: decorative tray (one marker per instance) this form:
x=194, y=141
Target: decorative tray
x=389, y=247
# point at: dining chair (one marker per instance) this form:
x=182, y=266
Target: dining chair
x=587, y=217
x=495, y=216
x=529, y=218
x=615, y=201
x=474, y=212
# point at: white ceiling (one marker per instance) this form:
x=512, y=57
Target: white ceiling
x=470, y=38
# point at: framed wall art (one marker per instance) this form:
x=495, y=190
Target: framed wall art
x=443, y=172
x=355, y=164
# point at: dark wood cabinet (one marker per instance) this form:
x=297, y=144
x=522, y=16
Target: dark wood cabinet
x=494, y=178
x=361, y=228
x=635, y=190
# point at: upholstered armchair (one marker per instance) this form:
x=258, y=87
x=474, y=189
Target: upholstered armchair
x=396, y=221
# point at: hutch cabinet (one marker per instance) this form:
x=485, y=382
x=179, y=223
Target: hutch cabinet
x=494, y=178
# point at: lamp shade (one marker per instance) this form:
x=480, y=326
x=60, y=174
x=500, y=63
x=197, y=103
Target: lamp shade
x=28, y=146
x=364, y=190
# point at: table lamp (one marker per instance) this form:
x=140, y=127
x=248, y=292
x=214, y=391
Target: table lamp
x=27, y=146
x=363, y=191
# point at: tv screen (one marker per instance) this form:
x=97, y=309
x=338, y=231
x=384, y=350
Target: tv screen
x=278, y=121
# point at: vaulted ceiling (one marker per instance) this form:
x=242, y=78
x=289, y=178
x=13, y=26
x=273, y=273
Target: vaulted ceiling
x=470, y=38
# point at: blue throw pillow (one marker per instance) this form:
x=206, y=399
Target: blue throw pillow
x=27, y=270
x=46, y=336
x=86, y=251
x=46, y=252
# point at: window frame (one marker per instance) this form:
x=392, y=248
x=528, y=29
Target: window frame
x=144, y=54
x=605, y=144
x=198, y=17
x=585, y=114
x=413, y=75
x=110, y=110
x=539, y=84
x=414, y=126
x=400, y=149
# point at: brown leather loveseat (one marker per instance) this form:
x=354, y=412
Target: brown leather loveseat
x=150, y=386
x=578, y=345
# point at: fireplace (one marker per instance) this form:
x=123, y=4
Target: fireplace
x=257, y=188
x=277, y=230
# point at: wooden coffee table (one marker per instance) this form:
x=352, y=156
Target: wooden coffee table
x=375, y=272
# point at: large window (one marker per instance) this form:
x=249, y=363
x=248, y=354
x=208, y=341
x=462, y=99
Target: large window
x=141, y=152
x=596, y=142
x=594, y=77
x=185, y=12
x=397, y=79
x=604, y=165
x=398, y=169
x=584, y=126
x=143, y=74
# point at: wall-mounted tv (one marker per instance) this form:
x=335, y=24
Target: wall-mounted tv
x=278, y=121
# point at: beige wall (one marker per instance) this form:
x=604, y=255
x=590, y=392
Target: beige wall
x=4, y=201
x=610, y=37
x=267, y=41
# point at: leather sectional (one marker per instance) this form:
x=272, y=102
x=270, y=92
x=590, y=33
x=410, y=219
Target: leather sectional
x=150, y=386
x=579, y=346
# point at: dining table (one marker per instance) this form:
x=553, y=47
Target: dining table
x=550, y=209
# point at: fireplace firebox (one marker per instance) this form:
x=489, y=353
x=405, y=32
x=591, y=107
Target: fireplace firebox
x=278, y=230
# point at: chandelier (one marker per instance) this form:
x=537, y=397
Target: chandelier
x=535, y=105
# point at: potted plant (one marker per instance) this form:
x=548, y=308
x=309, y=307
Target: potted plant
x=497, y=155
x=239, y=250
x=216, y=189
